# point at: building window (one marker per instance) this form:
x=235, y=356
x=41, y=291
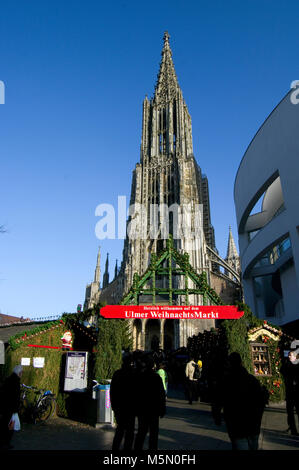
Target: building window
x=279, y=250
x=268, y=295
x=269, y=205
x=275, y=252
x=260, y=359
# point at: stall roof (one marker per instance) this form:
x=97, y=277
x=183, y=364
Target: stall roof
x=8, y=331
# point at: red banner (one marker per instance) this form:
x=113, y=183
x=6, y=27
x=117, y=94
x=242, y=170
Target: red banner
x=42, y=346
x=191, y=312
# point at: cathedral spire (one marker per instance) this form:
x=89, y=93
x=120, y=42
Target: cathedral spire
x=166, y=123
x=167, y=83
x=106, y=273
x=231, y=247
x=97, y=273
x=232, y=257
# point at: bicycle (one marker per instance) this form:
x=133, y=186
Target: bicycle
x=43, y=407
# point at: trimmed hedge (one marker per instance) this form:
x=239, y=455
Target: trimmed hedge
x=104, y=358
x=47, y=377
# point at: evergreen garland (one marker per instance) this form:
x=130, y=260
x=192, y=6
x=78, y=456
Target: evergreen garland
x=14, y=341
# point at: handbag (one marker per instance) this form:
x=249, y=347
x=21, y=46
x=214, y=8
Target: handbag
x=14, y=423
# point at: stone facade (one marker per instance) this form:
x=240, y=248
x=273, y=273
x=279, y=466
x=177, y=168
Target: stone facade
x=226, y=288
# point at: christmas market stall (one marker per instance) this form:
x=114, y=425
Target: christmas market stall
x=263, y=349
x=65, y=356
x=268, y=350
x=43, y=348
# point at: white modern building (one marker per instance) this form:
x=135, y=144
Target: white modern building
x=266, y=197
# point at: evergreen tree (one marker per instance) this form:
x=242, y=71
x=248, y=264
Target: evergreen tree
x=113, y=338
x=236, y=332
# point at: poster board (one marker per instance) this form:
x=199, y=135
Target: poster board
x=75, y=379
x=38, y=362
x=25, y=361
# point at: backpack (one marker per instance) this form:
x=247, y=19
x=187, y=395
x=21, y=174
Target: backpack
x=196, y=374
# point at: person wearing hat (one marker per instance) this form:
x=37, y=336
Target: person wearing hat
x=9, y=404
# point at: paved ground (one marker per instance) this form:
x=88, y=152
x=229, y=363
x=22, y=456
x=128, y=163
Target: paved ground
x=185, y=427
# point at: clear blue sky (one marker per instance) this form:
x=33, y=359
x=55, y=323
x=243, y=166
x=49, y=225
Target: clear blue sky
x=76, y=74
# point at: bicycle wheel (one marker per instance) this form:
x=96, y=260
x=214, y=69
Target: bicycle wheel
x=25, y=410
x=45, y=409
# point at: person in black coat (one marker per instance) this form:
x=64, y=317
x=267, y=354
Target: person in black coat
x=151, y=404
x=242, y=399
x=9, y=403
x=122, y=397
x=290, y=372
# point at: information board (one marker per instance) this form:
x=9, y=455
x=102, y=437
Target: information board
x=75, y=379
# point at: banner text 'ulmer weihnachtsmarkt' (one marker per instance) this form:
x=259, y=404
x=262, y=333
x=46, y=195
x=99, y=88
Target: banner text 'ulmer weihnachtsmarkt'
x=168, y=312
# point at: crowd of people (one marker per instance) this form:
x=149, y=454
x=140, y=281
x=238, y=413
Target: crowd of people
x=139, y=391
x=235, y=395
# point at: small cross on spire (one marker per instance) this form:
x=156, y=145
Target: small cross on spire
x=166, y=36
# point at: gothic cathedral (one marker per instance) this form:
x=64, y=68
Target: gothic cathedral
x=169, y=196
